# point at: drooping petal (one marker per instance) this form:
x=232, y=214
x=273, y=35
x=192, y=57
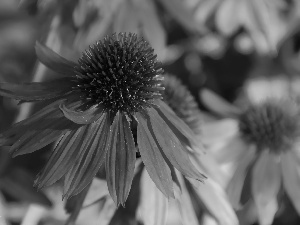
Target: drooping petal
x=36, y=91
x=35, y=120
x=291, y=178
x=62, y=158
x=218, y=105
x=179, y=128
x=40, y=136
x=153, y=207
x=152, y=158
x=81, y=117
x=41, y=129
x=54, y=61
x=266, y=180
x=216, y=202
x=185, y=205
x=235, y=186
x=171, y=146
x=93, y=155
x=120, y=159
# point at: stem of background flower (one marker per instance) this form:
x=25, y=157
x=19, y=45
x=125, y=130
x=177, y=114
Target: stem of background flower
x=54, y=43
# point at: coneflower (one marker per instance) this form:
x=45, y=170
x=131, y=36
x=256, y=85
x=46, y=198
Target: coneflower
x=265, y=144
x=116, y=82
x=182, y=102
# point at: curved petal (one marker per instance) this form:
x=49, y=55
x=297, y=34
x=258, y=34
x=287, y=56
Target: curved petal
x=154, y=162
x=184, y=204
x=171, y=146
x=291, y=178
x=235, y=186
x=266, y=180
x=218, y=105
x=36, y=91
x=180, y=129
x=216, y=202
x=81, y=117
x=120, y=159
x=206, y=163
x=93, y=155
x=41, y=129
x=54, y=61
x=153, y=207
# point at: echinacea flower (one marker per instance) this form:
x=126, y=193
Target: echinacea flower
x=263, y=139
x=91, y=109
x=181, y=101
x=146, y=204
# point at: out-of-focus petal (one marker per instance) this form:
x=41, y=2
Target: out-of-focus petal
x=91, y=157
x=217, y=131
x=216, y=202
x=153, y=207
x=17, y=182
x=235, y=186
x=81, y=117
x=291, y=178
x=185, y=205
x=152, y=158
x=77, y=202
x=36, y=91
x=120, y=159
x=171, y=146
x=232, y=151
x=54, y=61
x=266, y=180
x=218, y=105
x=205, y=163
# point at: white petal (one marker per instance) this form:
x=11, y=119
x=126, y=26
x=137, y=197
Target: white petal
x=217, y=203
x=236, y=183
x=153, y=207
x=266, y=182
x=291, y=178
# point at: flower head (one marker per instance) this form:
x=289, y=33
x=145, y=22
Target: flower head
x=91, y=109
x=183, y=103
x=264, y=143
x=270, y=125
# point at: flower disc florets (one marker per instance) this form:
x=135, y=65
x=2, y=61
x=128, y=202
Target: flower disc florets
x=271, y=125
x=121, y=73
